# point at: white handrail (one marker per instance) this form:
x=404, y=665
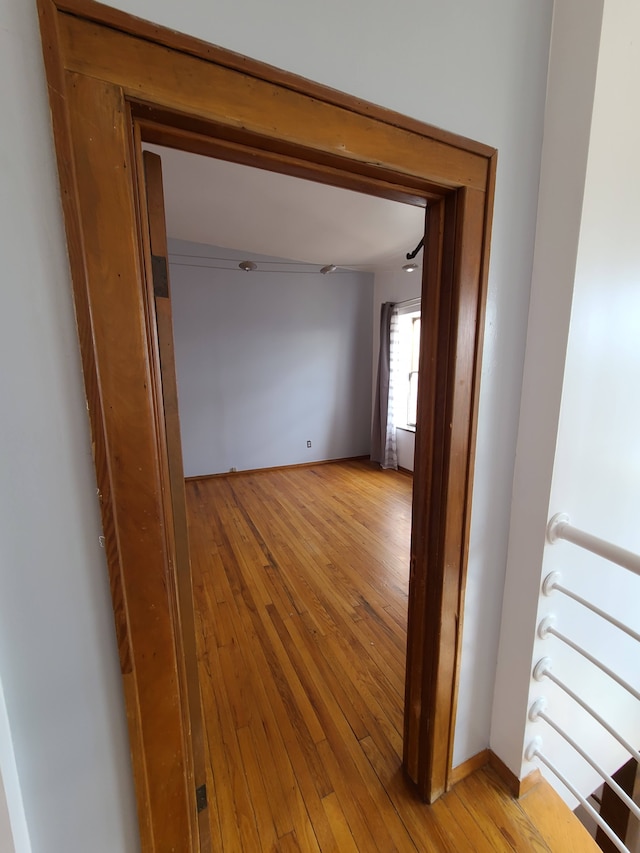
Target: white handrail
x=537, y=712
x=546, y=627
x=543, y=668
x=560, y=528
x=553, y=581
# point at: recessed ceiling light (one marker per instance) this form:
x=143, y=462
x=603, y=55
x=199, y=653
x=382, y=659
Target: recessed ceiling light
x=248, y=266
x=328, y=268
x=410, y=267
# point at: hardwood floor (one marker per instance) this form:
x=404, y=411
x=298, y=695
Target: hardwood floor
x=300, y=582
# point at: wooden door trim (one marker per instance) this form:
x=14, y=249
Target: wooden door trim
x=89, y=10
x=198, y=97
x=195, y=138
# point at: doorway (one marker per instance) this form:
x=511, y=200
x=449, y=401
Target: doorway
x=299, y=572
x=114, y=82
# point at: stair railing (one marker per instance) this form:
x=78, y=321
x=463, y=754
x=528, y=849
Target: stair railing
x=558, y=528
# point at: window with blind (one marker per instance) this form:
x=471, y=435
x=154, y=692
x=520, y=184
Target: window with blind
x=407, y=364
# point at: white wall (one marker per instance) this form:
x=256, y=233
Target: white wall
x=269, y=360
x=475, y=68
x=406, y=448
x=596, y=473
x=596, y=476
x=572, y=69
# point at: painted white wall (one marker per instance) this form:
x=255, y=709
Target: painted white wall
x=572, y=70
x=281, y=215
x=58, y=657
x=596, y=473
x=406, y=447
x=478, y=69
x=269, y=360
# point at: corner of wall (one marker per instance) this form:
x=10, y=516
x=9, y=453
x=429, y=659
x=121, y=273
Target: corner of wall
x=570, y=94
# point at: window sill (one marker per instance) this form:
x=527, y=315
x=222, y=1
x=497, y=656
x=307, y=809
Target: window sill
x=406, y=428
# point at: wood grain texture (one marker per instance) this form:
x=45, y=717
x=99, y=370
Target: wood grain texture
x=477, y=251
x=148, y=72
x=449, y=369
x=193, y=135
x=461, y=771
x=152, y=202
x=464, y=361
x=428, y=696
x=130, y=434
x=518, y=787
x=301, y=582
x=559, y=827
x=56, y=81
x=427, y=463
x=124, y=22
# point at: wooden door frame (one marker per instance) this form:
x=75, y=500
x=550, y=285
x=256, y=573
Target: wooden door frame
x=113, y=79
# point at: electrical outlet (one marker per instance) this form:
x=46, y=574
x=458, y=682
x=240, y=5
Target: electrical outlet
x=308, y=444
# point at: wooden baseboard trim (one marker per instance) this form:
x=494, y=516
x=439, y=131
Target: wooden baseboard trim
x=457, y=774
x=529, y=782
x=406, y=471
x=517, y=787
x=274, y=468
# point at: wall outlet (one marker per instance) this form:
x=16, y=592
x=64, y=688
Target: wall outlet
x=308, y=444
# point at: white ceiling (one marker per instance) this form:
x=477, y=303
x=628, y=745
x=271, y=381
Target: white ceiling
x=252, y=210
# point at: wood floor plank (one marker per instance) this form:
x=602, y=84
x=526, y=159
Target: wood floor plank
x=300, y=581
x=421, y=821
x=277, y=773
x=344, y=840
x=231, y=804
x=214, y=798
x=345, y=783
x=284, y=737
x=558, y=827
x=485, y=792
x=346, y=750
x=259, y=794
x=461, y=831
x=289, y=844
x=358, y=704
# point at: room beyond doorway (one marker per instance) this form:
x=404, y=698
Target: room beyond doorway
x=278, y=365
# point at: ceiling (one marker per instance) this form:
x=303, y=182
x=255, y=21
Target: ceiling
x=259, y=212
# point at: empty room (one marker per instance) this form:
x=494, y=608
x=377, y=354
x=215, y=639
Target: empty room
x=299, y=543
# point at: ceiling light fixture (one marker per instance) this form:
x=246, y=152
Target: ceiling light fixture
x=248, y=266
x=329, y=268
x=410, y=267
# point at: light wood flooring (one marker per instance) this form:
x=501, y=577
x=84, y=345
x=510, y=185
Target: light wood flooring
x=300, y=582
